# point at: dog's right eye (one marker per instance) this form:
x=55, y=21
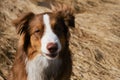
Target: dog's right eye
x=36, y=31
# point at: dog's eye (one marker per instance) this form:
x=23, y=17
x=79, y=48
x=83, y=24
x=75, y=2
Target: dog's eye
x=36, y=31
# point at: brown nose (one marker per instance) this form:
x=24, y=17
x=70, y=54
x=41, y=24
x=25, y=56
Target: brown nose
x=52, y=47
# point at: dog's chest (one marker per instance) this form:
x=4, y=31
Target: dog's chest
x=42, y=69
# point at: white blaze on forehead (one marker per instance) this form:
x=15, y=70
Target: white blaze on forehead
x=46, y=21
x=48, y=36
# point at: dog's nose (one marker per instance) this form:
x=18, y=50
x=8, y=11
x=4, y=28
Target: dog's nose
x=52, y=47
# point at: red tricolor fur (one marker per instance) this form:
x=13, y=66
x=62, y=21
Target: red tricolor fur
x=43, y=48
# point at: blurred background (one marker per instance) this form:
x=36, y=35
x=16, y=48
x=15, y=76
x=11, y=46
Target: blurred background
x=94, y=43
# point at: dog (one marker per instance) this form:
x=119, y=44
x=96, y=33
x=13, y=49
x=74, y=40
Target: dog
x=43, y=48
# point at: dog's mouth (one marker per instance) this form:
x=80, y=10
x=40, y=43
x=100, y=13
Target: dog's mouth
x=50, y=55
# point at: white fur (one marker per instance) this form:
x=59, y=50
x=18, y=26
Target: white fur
x=39, y=67
x=48, y=36
x=34, y=68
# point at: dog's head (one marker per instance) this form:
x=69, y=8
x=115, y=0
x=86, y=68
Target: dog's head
x=46, y=33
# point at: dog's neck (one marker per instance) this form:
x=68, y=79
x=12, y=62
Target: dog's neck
x=41, y=68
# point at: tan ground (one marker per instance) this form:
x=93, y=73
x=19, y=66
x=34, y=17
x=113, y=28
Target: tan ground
x=95, y=42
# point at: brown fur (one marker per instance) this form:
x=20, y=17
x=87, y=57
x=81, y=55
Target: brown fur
x=31, y=28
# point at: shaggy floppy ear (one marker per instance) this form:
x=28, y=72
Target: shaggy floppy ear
x=65, y=12
x=22, y=22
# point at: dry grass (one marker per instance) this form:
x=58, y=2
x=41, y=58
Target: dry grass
x=95, y=42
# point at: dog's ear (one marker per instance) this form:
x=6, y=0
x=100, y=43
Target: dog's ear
x=67, y=13
x=22, y=22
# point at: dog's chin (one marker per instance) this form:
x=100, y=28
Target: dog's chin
x=51, y=56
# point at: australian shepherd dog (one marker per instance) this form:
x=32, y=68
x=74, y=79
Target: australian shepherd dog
x=43, y=47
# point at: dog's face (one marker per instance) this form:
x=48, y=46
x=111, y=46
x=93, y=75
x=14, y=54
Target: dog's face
x=45, y=34
x=48, y=34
